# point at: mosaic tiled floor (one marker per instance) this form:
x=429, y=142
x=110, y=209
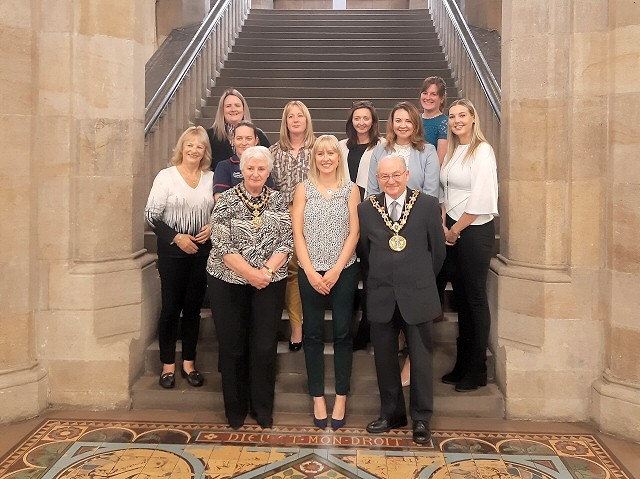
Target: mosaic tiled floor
x=92, y=449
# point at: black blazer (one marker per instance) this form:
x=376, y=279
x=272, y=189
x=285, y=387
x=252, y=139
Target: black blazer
x=407, y=277
x=221, y=150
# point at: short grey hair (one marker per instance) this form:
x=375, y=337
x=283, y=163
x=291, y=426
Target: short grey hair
x=258, y=153
x=393, y=156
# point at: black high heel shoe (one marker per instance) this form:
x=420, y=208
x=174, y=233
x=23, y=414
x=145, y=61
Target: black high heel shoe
x=338, y=423
x=295, y=346
x=194, y=377
x=320, y=423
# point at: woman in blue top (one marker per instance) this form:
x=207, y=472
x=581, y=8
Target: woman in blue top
x=228, y=172
x=432, y=99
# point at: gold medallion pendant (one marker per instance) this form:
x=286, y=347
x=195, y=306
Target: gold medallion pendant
x=256, y=206
x=257, y=220
x=397, y=242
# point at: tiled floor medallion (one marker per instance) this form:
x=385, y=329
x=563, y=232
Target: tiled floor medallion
x=94, y=450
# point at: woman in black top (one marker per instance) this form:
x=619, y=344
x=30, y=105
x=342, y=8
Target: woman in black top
x=232, y=108
x=363, y=134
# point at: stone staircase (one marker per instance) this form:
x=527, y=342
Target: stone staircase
x=326, y=59
x=291, y=380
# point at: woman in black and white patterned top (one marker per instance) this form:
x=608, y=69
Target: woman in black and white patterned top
x=325, y=230
x=252, y=243
x=178, y=209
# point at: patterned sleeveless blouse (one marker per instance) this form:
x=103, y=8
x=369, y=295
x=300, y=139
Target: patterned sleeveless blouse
x=326, y=225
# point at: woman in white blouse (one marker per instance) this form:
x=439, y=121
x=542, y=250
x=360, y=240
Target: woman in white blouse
x=178, y=210
x=469, y=187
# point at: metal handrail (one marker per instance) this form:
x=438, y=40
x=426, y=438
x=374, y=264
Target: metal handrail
x=169, y=86
x=487, y=80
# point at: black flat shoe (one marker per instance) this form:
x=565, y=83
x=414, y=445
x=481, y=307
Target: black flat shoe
x=167, y=380
x=421, y=432
x=384, y=424
x=320, y=423
x=295, y=346
x=194, y=377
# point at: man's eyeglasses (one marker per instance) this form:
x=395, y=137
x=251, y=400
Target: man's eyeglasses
x=396, y=176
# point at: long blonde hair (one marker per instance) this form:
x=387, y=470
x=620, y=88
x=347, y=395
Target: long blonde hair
x=285, y=140
x=326, y=143
x=200, y=134
x=476, y=134
x=219, y=129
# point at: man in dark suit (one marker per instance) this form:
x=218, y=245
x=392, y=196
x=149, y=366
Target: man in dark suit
x=402, y=240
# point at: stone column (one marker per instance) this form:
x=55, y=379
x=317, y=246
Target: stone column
x=560, y=288
x=616, y=395
x=79, y=292
x=23, y=380
x=547, y=308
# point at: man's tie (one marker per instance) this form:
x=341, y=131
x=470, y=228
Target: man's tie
x=395, y=210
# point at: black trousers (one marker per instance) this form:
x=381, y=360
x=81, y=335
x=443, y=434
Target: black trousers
x=183, y=283
x=470, y=258
x=341, y=300
x=246, y=321
x=384, y=337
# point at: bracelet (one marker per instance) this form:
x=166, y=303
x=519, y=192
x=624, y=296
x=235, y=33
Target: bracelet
x=269, y=270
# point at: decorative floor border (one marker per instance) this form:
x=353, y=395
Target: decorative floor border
x=66, y=449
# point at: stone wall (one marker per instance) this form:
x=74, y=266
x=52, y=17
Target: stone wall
x=83, y=290
x=562, y=296
x=172, y=14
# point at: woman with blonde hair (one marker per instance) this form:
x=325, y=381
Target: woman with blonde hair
x=325, y=234
x=178, y=209
x=469, y=185
x=232, y=108
x=292, y=153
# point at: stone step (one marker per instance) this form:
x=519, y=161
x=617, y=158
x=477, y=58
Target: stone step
x=419, y=44
x=347, y=93
x=297, y=83
x=323, y=32
x=357, y=15
x=344, y=102
x=339, y=48
x=445, y=333
x=345, y=27
x=344, y=57
x=291, y=394
x=303, y=66
x=346, y=75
